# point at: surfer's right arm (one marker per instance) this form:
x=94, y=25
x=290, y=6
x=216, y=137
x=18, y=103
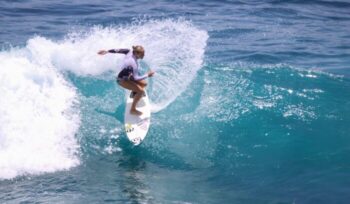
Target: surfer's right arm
x=119, y=51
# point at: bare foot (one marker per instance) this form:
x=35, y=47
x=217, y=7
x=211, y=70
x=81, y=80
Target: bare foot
x=135, y=112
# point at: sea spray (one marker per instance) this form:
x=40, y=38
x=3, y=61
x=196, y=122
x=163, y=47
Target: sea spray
x=174, y=49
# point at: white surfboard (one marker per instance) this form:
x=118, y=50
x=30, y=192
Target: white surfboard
x=136, y=127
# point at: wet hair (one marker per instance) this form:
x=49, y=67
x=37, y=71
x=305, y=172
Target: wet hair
x=138, y=49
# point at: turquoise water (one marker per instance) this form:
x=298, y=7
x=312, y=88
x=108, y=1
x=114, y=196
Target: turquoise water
x=250, y=102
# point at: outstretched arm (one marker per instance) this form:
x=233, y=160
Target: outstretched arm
x=120, y=51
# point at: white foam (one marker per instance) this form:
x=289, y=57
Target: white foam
x=300, y=111
x=37, y=120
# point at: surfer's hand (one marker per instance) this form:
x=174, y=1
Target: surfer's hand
x=102, y=52
x=150, y=73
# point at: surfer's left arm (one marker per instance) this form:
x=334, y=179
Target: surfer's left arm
x=119, y=51
x=135, y=71
x=137, y=77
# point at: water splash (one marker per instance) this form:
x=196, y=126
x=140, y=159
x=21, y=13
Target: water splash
x=174, y=49
x=38, y=118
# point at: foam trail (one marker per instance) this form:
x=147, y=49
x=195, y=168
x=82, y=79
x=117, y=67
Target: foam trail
x=38, y=122
x=174, y=49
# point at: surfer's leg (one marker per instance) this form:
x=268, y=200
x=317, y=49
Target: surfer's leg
x=137, y=97
x=133, y=86
x=130, y=85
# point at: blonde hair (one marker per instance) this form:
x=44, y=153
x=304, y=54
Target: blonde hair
x=138, y=49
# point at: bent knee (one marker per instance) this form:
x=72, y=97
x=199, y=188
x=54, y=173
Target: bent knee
x=144, y=84
x=140, y=89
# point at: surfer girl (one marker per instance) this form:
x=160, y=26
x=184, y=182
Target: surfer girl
x=129, y=77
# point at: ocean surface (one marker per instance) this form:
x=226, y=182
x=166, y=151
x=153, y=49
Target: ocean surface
x=250, y=102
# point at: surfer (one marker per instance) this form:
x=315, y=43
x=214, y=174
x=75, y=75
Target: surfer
x=129, y=77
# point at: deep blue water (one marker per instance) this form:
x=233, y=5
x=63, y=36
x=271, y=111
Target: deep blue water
x=251, y=102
